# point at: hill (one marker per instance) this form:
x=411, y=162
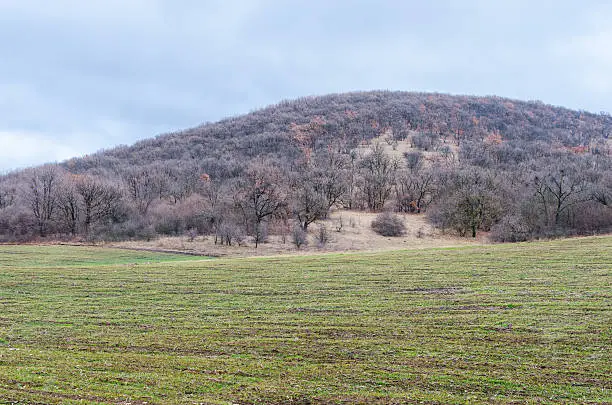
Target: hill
x=472, y=164
x=354, y=118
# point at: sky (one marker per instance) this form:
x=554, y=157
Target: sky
x=79, y=76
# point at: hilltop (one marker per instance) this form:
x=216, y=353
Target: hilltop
x=355, y=118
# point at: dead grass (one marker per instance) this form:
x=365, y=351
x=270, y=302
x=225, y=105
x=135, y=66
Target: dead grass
x=404, y=146
x=348, y=231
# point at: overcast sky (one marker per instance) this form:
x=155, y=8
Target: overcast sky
x=80, y=75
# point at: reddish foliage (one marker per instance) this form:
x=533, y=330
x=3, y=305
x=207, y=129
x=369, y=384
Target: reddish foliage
x=578, y=149
x=493, y=139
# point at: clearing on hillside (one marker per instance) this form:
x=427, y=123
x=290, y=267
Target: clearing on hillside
x=521, y=323
x=346, y=231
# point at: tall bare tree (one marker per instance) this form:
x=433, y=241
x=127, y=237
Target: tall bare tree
x=100, y=200
x=378, y=171
x=142, y=188
x=558, y=188
x=42, y=195
x=69, y=203
x=260, y=195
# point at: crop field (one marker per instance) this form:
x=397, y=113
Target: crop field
x=519, y=323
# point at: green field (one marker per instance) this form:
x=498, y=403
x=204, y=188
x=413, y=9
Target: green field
x=521, y=323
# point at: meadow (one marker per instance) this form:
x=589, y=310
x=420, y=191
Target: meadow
x=506, y=324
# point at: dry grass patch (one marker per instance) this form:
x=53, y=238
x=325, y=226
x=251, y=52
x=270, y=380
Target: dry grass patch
x=347, y=231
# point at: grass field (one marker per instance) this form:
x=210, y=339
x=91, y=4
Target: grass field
x=522, y=323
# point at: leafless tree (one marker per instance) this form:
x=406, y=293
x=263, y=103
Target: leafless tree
x=7, y=195
x=100, y=200
x=69, y=202
x=260, y=195
x=602, y=191
x=329, y=176
x=472, y=201
x=378, y=171
x=42, y=195
x=142, y=188
x=557, y=189
x=307, y=204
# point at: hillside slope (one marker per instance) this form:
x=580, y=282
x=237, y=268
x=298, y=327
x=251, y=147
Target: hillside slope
x=359, y=117
x=521, y=169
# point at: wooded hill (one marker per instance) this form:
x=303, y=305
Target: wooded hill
x=518, y=169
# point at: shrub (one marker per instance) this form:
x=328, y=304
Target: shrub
x=338, y=224
x=229, y=233
x=512, y=228
x=133, y=229
x=16, y=225
x=322, y=236
x=299, y=236
x=171, y=226
x=414, y=160
x=424, y=141
x=388, y=224
x=192, y=233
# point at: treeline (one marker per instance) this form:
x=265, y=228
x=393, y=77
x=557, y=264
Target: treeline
x=519, y=170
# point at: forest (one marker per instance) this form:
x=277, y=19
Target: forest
x=517, y=170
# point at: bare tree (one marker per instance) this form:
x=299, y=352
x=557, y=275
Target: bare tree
x=69, y=203
x=472, y=201
x=308, y=203
x=557, y=189
x=602, y=191
x=100, y=200
x=142, y=188
x=7, y=195
x=260, y=195
x=41, y=195
x=182, y=179
x=414, y=161
x=329, y=176
x=378, y=171
x=415, y=191
x=351, y=180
